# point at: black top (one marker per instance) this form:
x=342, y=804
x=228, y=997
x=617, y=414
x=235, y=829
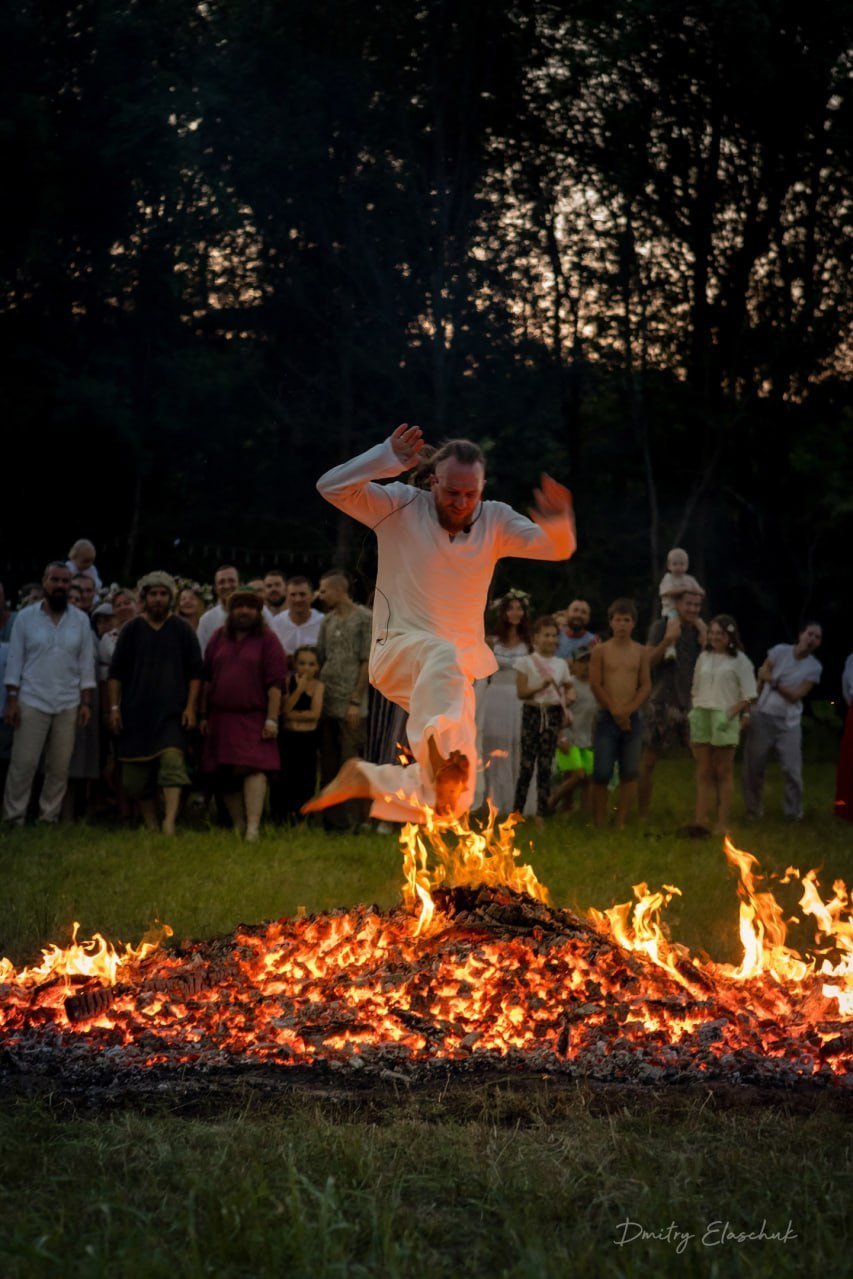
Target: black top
x=672, y=681
x=155, y=667
x=303, y=701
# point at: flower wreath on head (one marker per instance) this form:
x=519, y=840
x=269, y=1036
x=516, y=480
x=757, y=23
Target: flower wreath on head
x=187, y=584
x=514, y=594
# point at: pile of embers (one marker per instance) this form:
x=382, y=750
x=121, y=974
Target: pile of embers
x=500, y=980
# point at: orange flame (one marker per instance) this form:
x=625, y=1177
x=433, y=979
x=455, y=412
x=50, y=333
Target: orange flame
x=95, y=957
x=453, y=855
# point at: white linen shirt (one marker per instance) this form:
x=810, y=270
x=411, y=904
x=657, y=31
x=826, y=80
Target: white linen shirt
x=292, y=636
x=214, y=618
x=428, y=581
x=721, y=680
x=51, y=662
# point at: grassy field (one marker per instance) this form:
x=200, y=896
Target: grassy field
x=496, y=1182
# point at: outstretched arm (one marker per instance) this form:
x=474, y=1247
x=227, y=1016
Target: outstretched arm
x=549, y=534
x=350, y=486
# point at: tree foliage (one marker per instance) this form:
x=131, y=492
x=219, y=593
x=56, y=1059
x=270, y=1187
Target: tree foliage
x=245, y=239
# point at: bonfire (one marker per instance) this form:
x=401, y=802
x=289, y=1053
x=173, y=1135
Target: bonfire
x=474, y=968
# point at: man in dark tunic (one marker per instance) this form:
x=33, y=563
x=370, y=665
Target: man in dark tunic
x=666, y=711
x=154, y=681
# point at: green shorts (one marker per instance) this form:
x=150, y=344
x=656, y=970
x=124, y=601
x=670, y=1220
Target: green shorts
x=141, y=777
x=713, y=727
x=577, y=759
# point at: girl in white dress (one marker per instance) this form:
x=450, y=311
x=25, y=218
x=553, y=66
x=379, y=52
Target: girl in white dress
x=499, y=710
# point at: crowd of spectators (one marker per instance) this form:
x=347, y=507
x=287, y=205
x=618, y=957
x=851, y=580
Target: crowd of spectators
x=241, y=700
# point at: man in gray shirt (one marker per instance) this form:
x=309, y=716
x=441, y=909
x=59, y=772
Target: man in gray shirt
x=788, y=674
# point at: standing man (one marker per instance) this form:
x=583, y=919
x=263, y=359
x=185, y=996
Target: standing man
x=50, y=675
x=153, y=688
x=244, y=670
x=788, y=674
x=343, y=648
x=275, y=591
x=666, y=711
x=438, y=546
x=225, y=582
x=299, y=625
x=576, y=633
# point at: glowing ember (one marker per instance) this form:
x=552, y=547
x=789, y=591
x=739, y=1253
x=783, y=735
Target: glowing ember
x=474, y=966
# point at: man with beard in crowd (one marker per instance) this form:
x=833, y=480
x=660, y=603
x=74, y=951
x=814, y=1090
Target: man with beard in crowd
x=50, y=675
x=244, y=670
x=225, y=582
x=275, y=591
x=577, y=634
x=153, y=688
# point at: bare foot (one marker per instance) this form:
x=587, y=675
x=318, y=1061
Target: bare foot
x=168, y=828
x=450, y=777
x=350, y=783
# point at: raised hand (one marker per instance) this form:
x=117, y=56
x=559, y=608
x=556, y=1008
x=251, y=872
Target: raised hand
x=407, y=442
x=552, y=499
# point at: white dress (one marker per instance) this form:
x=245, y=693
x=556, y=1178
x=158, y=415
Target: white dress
x=499, y=717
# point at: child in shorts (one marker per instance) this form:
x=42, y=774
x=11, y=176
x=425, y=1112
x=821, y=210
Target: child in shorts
x=619, y=678
x=573, y=760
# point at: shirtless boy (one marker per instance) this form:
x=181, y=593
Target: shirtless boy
x=619, y=678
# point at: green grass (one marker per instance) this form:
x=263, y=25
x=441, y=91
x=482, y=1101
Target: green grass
x=485, y=1182
x=313, y=1194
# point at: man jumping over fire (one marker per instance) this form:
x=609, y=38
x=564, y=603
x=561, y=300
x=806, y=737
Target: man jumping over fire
x=438, y=546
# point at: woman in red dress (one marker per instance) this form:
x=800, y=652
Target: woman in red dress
x=244, y=669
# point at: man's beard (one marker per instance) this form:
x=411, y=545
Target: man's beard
x=157, y=612
x=57, y=601
x=276, y=602
x=452, y=523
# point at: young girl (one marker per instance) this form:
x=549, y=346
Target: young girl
x=499, y=710
x=723, y=687
x=545, y=687
x=298, y=743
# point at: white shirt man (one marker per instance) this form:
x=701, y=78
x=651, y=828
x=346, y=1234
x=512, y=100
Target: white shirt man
x=299, y=625
x=50, y=674
x=438, y=547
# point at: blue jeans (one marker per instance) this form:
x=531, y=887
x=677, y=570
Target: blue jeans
x=612, y=746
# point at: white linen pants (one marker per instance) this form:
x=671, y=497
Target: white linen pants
x=422, y=673
x=39, y=731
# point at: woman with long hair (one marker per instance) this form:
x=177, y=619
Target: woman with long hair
x=723, y=687
x=499, y=710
